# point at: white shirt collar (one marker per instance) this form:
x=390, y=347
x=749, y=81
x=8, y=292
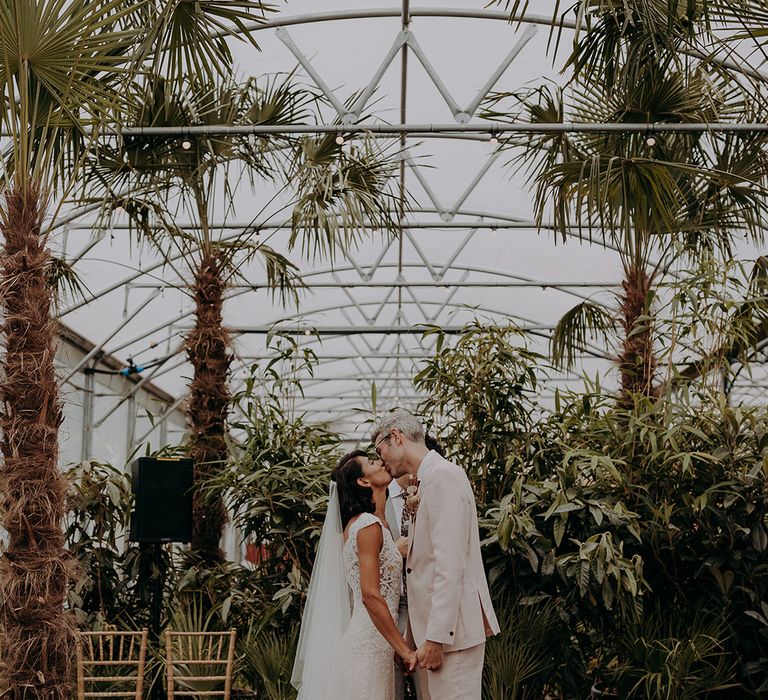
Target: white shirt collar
x=429, y=461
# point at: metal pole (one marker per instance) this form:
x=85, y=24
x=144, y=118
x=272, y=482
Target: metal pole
x=405, y=285
x=240, y=226
x=309, y=330
x=96, y=350
x=157, y=609
x=484, y=127
x=86, y=445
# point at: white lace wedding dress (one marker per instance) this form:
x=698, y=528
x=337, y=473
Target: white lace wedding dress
x=365, y=662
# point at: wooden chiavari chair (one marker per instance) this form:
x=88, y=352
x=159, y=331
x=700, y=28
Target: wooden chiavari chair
x=199, y=664
x=111, y=664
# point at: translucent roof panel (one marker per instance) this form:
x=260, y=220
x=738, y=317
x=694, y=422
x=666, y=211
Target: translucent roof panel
x=469, y=248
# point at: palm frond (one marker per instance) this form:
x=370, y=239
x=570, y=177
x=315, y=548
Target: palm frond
x=585, y=321
x=542, y=105
x=624, y=200
x=64, y=279
x=175, y=165
x=266, y=658
x=282, y=275
x=59, y=63
x=613, y=40
x=190, y=38
x=342, y=193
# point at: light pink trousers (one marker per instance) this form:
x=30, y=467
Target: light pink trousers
x=459, y=678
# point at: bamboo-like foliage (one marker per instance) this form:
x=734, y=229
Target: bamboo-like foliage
x=481, y=401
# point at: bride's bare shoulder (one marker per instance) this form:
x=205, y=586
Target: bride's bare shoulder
x=357, y=517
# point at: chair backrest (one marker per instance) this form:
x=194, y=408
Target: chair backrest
x=111, y=664
x=199, y=664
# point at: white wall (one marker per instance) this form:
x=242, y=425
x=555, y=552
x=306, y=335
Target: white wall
x=116, y=438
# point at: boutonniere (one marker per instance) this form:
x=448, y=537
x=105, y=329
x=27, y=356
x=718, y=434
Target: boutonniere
x=412, y=498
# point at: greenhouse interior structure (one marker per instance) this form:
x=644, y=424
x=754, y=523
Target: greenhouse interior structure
x=273, y=272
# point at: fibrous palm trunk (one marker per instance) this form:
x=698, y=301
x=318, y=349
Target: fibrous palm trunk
x=209, y=354
x=637, y=361
x=37, y=639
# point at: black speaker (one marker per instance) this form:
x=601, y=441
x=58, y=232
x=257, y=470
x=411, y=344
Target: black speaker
x=162, y=492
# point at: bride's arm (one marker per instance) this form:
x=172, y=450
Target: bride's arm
x=369, y=543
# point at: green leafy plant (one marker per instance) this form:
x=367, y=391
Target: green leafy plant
x=662, y=505
x=480, y=398
x=677, y=654
x=266, y=661
x=276, y=484
x=520, y=661
x=98, y=507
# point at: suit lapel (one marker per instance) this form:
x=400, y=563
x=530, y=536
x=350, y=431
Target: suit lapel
x=425, y=470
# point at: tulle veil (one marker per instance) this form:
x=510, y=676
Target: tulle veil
x=326, y=613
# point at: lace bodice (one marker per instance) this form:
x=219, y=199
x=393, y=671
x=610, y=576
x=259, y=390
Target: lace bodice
x=390, y=564
x=365, y=659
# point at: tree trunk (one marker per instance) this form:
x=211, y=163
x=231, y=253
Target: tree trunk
x=637, y=361
x=208, y=352
x=38, y=637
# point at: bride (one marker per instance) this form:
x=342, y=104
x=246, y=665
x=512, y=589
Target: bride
x=343, y=654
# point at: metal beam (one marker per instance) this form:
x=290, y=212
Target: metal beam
x=333, y=357
x=489, y=127
x=555, y=23
x=98, y=348
x=404, y=285
x=241, y=226
x=310, y=330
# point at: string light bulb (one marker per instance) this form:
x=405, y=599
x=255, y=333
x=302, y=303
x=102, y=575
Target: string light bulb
x=340, y=139
x=651, y=140
x=186, y=144
x=494, y=139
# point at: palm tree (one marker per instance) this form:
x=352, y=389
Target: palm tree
x=647, y=194
x=335, y=191
x=61, y=62
x=57, y=74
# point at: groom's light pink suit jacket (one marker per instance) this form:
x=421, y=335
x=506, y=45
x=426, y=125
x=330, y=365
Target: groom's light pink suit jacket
x=448, y=597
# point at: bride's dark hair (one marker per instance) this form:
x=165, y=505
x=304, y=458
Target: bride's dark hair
x=353, y=498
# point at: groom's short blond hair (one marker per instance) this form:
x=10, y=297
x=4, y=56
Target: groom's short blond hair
x=401, y=420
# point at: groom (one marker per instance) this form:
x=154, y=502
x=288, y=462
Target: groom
x=449, y=606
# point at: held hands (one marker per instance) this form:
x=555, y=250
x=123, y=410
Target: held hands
x=407, y=662
x=430, y=655
x=402, y=546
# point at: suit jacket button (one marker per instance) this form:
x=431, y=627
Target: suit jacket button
x=408, y=571
x=451, y=633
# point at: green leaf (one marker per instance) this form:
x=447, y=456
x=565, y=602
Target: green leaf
x=225, y=608
x=559, y=530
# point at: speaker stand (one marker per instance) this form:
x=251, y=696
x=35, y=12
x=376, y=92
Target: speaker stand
x=156, y=610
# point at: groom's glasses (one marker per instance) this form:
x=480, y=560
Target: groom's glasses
x=376, y=446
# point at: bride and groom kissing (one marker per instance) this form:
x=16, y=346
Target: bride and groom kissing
x=378, y=606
